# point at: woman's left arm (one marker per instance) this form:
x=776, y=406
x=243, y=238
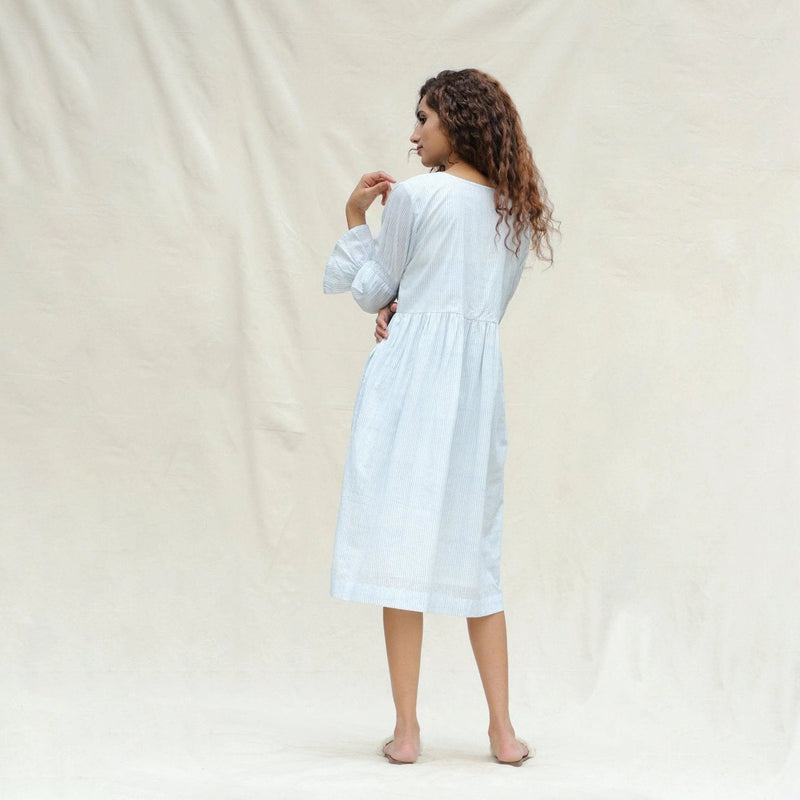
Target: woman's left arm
x=382, y=321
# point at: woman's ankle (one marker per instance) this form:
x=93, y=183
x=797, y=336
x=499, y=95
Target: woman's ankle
x=406, y=729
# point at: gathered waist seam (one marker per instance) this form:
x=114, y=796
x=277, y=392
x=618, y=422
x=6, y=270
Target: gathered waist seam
x=451, y=314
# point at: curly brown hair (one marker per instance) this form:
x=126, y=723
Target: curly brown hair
x=483, y=126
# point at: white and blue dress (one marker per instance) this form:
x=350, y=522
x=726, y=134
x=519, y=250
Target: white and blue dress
x=421, y=514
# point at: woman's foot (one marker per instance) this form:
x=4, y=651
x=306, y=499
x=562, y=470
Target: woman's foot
x=506, y=748
x=404, y=748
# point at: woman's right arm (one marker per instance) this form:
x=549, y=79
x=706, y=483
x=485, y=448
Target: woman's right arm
x=369, y=187
x=371, y=268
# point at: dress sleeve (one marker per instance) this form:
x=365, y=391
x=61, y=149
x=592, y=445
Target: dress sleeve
x=371, y=268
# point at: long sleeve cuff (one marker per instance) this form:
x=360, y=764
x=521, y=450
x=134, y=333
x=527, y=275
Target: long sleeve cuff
x=352, y=250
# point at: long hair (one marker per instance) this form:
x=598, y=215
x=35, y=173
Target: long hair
x=483, y=126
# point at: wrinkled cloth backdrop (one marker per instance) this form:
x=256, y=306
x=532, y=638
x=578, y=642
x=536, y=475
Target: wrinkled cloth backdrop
x=176, y=397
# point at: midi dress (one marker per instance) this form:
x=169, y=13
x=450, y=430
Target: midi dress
x=421, y=514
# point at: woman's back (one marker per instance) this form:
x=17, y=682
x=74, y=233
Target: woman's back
x=456, y=261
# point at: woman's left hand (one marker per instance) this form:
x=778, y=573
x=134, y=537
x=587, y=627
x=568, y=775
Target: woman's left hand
x=382, y=321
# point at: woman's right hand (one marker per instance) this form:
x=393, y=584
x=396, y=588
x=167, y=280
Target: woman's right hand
x=369, y=187
x=382, y=321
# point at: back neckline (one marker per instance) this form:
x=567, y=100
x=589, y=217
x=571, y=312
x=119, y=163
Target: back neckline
x=467, y=180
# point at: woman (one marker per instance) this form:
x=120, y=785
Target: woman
x=420, y=520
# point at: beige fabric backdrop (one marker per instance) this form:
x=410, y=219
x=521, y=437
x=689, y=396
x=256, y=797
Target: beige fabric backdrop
x=176, y=397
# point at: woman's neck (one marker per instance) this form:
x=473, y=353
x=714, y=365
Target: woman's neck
x=461, y=169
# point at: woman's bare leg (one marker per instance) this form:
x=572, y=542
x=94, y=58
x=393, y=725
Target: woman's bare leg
x=490, y=645
x=403, y=632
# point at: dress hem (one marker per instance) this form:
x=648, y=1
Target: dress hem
x=408, y=600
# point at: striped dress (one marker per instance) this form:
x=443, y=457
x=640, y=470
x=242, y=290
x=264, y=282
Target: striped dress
x=420, y=520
